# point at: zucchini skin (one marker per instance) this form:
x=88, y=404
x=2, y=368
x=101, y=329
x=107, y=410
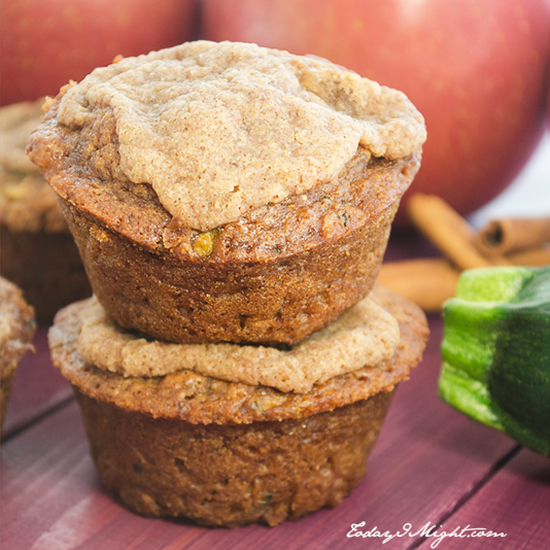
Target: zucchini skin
x=496, y=352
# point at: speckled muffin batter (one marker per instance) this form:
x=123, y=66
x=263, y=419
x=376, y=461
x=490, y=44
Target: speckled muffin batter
x=227, y=192
x=230, y=453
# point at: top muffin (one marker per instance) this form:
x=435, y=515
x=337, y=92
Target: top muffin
x=228, y=192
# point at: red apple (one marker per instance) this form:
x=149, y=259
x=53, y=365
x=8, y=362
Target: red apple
x=476, y=69
x=46, y=43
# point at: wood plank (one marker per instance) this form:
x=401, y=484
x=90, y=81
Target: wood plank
x=515, y=502
x=427, y=458
x=37, y=388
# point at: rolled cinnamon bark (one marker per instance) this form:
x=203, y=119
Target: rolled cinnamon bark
x=504, y=236
x=533, y=257
x=451, y=233
x=427, y=282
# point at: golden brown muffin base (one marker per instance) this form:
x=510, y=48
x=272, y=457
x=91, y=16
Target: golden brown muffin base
x=46, y=266
x=18, y=321
x=272, y=302
x=265, y=472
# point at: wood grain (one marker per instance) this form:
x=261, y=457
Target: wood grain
x=38, y=387
x=514, y=502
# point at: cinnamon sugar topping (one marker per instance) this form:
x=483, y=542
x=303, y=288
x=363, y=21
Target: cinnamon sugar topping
x=363, y=336
x=220, y=128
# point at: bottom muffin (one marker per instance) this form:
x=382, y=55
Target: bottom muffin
x=17, y=327
x=264, y=472
x=230, y=453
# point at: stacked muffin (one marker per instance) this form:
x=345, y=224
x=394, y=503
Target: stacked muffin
x=232, y=205
x=33, y=230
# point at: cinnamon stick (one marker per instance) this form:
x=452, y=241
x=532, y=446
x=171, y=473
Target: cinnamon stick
x=533, y=257
x=427, y=282
x=504, y=236
x=451, y=233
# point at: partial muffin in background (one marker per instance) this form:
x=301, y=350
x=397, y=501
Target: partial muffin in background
x=174, y=441
x=227, y=192
x=17, y=327
x=37, y=249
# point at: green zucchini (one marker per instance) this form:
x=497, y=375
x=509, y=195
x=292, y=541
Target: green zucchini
x=496, y=351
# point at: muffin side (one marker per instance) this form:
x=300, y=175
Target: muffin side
x=231, y=475
x=268, y=302
x=17, y=328
x=37, y=250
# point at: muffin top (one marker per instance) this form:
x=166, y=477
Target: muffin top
x=364, y=335
x=27, y=203
x=203, y=399
x=221, y=129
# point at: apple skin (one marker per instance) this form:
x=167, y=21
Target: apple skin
x=46, y=43
x=476, y=69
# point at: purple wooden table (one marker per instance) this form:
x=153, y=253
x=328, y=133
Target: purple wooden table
x=433, y=471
